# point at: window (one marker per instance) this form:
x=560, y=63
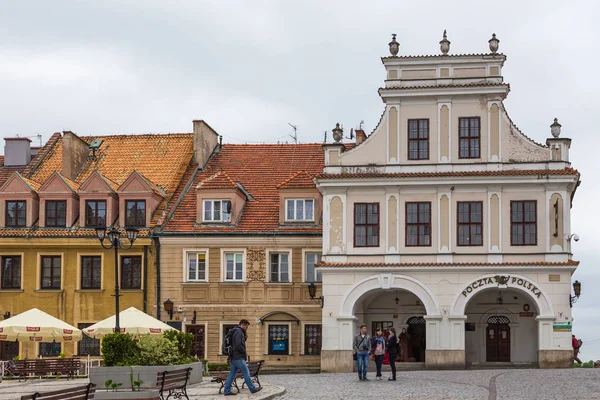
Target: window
x=196, y=267
x=135, y=213
x=56, y=213
x=16, y=213
x=523, y=223
x=383, y=325
x=87, y=346
x=279, y=339
x=312, y=339
x=50, y=349
x=418, y=224
x=11, y=272
x=418, y=139
x=95, y=213
x=131, y=272
x=470, y=223
x=280, y=267
x=299, y=210
x=50, y=272
x=217, y=211
x=234, y=267
x=312, y=275
x=366, y=225
x=91, y=272
x=469, y=137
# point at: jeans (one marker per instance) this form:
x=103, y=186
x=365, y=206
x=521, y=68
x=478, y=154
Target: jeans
x=238, y=365
x=363, y=362
x=393, y=364
x=379, y=363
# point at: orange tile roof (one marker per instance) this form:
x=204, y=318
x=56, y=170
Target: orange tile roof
x=488, y=55
x=300, y=180
x=220, y=180
x=435, y=264
x=6, y=172
x=464, y=85
x=515, y=172
x=259, y=169
x=33, y=185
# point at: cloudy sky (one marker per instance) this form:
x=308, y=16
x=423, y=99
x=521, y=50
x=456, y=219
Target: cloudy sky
x=250, y=68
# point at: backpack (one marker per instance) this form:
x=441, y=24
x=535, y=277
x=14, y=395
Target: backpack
x=227, y=345
x=579, y=343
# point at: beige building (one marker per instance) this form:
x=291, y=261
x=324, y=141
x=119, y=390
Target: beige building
x=450, y=222
x=242, y=242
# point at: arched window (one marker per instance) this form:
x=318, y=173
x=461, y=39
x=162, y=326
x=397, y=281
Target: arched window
x=416, y=321
x=498, y=319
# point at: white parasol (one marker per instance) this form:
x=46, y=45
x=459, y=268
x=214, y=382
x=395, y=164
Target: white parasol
x=36, y=326
x=132, y=321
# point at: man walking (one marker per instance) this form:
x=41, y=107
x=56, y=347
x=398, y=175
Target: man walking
x=576, y=345
x=362, y=347
x=237, y=359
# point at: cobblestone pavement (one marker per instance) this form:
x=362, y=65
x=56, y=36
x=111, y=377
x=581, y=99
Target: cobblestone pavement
x=507, y=384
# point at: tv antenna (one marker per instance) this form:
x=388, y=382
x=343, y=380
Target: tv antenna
x=325, y=137
x=295, y=135
x=38, y=136
x=351, y=134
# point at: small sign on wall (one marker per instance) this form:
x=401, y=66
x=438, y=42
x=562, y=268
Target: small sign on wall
x=554, y=278
x=396, y=316
x=526, y=314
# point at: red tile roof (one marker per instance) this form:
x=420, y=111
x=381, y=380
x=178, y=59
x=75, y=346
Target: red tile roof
x=6, y=172
x=260, y=169
x=486, y=55
x=435, y=264
x=515, y=172
x=300, y=180
x=464, y=85
x=220, y=180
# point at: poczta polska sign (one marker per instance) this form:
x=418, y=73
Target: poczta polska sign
x=502, y=280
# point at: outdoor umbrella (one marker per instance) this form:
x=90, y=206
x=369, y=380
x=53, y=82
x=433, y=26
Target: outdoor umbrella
x=132, y=321
x=37, y=326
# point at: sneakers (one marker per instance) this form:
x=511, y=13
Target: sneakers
x=365, y=379
x=230, y=394
x=258, y=389
x=391, y=379
x=379, y=378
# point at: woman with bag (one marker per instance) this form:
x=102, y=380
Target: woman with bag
x=378, y=351
x=392, y=351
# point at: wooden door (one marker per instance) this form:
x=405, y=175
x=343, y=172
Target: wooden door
x=8, y=350
x=497, y=345
x=198, y=332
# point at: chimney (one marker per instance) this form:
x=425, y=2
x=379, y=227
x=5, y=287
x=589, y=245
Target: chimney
x=205, y=141
x=74, y=154
x=17, y=152
x=361, y=136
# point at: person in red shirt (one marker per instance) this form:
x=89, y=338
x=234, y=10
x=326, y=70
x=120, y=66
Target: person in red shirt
x=576, y=346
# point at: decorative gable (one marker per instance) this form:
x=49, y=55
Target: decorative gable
x=299, y=200
x=19, y=188
x=59, y=188
x=98, y=188
x=140, y=189
x=97, y=183
x=219, y=188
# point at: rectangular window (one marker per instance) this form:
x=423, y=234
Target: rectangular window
x=217, y=210
x=196, y=267
x=50, y=272
x=234, y=267
x=312, y=275
x=280, y=267
x=131, y=272
x=95, y=213
x=523, y=223
x=469, y=137
x=50, y=349
x=418, y=139
x=312, y=339
x=383, y=325
x=279, y=339
x=470, y=223
x=418, y=224
x=299, y=210
x=11, y=272
x=135, y=211
x=366, y=225
x=16, y=214
x=56, y=213
x=91, y=272
x=87, y=346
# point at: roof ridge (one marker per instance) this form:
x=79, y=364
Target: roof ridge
x=294, y=176
x=222, y=173
x=494, y=55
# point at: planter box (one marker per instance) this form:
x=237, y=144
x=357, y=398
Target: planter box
x=99, y=375
x=143, y=395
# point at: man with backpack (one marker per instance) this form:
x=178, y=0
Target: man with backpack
x=576, y=346
x=234, y=345
x=362, y=349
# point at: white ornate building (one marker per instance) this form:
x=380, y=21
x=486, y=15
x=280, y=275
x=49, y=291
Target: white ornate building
x=449, y=221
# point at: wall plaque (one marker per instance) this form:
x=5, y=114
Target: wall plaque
x=554, y=278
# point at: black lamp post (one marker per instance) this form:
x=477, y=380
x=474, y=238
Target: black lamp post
x=312, y=292
x=168, y=304
x=7, y=315
x=114, y=240
x=577, y=291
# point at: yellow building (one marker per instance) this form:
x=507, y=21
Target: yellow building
x=50, y=255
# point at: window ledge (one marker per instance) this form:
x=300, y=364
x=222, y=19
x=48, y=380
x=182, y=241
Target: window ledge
x=49, y=290
x=12, y=290
x=233, y=282
x=89, y=290
x=309, y=283
x=194, y=283
x=131, y=290
x=279, y=283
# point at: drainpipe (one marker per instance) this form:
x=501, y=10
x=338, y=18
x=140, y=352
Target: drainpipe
x=157, y=265
x=145, y=278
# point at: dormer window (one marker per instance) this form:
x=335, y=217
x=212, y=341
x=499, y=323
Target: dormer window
x=16, y=213
x=56, y=213
x=135, y=213
x=95, y=213
x=299, y=210
x=217, y=211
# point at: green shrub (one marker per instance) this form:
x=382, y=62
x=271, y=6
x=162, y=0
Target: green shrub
x=589, y=364
x=158, y=350
x=120, y=349
x=184, y=342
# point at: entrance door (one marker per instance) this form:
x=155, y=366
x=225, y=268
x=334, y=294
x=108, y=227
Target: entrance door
x=198, y=332
x=8, y=350
x=416, y=339
x=498, y=339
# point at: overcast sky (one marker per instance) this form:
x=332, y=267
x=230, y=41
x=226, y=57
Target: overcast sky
x=250, y=68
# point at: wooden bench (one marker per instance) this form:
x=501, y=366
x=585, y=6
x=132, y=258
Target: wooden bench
x=174, y=382
x=254, y=369
x=75, y=393
x=65, y=366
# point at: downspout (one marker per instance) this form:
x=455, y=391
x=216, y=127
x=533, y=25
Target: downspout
x=157, y=265
x=145, y=279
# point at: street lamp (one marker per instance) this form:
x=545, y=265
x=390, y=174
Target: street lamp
x=312, y=292
x=577, y=291
x=169, y=307
x=114, y=240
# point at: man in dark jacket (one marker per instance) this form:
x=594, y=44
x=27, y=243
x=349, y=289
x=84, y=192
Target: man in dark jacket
x=237, y=359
